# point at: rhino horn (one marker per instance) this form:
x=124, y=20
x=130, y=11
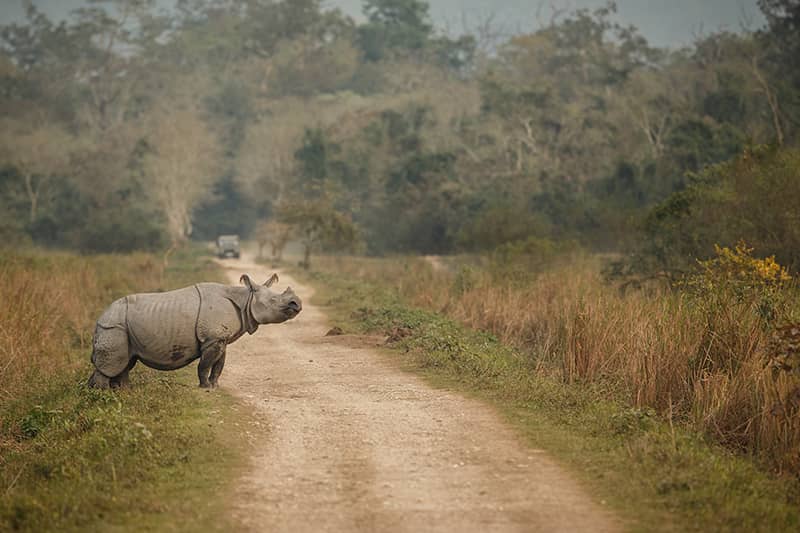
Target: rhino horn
x=272, y=279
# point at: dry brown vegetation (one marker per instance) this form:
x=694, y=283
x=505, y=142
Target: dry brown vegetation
x=69, y=454
x=707, y=362
x=48, y=304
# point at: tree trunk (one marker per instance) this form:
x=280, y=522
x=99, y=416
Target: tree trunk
x=277, y=253
x=307, y=257
x=33, y=196
x=167, y=253
x=772, y=101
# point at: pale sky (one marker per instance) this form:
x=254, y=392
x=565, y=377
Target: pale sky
x=664, y=22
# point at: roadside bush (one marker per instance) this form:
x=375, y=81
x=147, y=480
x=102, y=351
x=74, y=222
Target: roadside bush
x=517, y=261
x=752, y=197
x=735, y=278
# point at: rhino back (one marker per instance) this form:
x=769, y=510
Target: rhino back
x=162, y=327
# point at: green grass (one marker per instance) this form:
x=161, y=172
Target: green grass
x=655, y=474
x=159, y=456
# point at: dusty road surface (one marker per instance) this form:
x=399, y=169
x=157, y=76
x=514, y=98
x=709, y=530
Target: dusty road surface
x=351, y=443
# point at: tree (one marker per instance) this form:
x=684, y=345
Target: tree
x=751, y=197
x=39, y=153
x=652, y=101
x=780, y=41
x=319, y=226
x=402, y=25
x=274, y=233
x=109, y=75
x=265, y=161
x=180, y=166
x=302, y=67
x=226, y=210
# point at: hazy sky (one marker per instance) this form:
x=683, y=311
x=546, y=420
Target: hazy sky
x=663, y=22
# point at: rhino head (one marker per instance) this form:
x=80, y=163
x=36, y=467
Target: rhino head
x=269, y=307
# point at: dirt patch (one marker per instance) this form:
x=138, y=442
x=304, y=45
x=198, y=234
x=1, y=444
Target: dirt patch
x=398, y=334
x=354, y=443
x=334, y=331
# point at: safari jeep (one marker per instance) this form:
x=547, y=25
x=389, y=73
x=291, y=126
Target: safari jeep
x=228, y=246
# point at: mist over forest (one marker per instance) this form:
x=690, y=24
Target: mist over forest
x=126, y=127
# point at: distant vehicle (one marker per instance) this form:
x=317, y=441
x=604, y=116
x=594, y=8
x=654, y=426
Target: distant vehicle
x=228, y=246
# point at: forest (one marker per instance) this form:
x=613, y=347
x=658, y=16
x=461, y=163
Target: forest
x=127, y=127
x=595, y=237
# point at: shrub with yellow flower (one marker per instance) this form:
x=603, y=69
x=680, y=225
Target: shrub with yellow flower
x=735, y=276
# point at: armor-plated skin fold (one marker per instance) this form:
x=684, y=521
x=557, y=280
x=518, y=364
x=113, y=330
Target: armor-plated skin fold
x=169, y=330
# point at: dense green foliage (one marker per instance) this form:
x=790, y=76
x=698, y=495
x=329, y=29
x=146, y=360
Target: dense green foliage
x=161, y=126
x=752, y=197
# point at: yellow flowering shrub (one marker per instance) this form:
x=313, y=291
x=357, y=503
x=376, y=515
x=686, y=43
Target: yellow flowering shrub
x=739, y=267
x=735, y=276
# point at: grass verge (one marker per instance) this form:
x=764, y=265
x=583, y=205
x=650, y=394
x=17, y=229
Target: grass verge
x=659, y=476
x=156, y=457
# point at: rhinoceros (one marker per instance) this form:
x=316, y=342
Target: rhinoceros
x=169, y=330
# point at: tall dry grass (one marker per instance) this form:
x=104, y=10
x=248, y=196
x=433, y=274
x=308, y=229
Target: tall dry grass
x=48, y=305
x=704, y=366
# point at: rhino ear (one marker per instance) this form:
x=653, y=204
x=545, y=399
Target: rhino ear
x=272, y=280
x=245, y=279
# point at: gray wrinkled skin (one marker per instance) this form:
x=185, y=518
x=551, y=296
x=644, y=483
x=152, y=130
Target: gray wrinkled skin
x=169, y=330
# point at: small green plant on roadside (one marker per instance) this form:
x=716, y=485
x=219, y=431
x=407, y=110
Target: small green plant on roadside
x=632, y=420
x=37, y=420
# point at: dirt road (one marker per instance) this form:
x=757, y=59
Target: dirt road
x=352, y=443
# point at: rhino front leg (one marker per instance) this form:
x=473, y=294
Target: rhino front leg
x=211, y=354
x=216, y=370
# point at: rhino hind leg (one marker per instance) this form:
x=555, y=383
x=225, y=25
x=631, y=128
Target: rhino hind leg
x=210, y=356
x=123, y=381
x=120, y=382
x=111, y=357
x=99, y=381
